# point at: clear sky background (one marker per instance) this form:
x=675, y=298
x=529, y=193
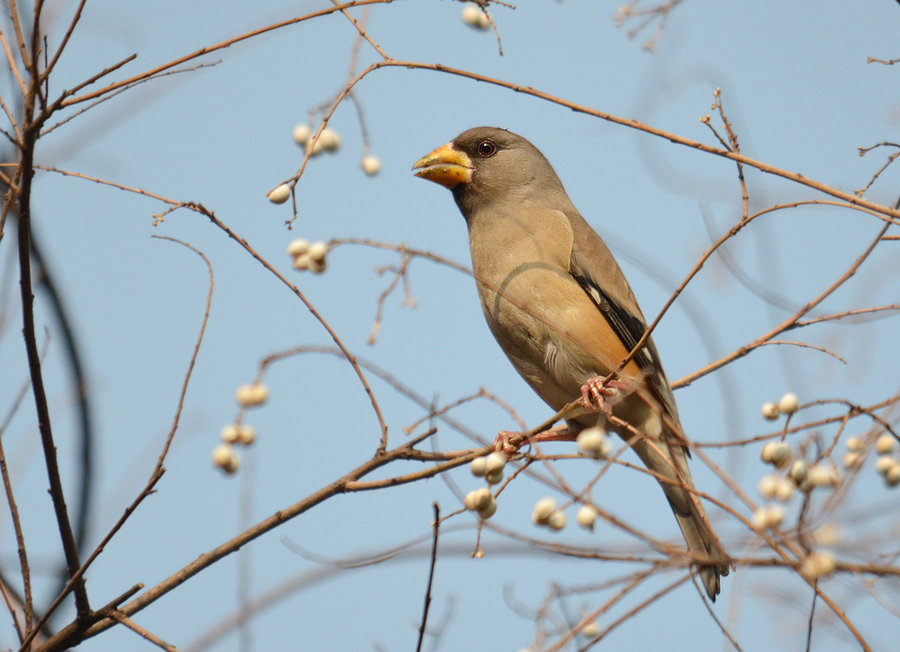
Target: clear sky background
x=797, y=87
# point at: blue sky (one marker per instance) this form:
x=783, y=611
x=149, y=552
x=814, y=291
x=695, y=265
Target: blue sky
x=797, y=87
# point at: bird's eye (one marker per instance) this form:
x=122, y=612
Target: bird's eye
x=487, y=148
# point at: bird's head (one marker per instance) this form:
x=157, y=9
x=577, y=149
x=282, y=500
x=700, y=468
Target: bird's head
x=488, y=164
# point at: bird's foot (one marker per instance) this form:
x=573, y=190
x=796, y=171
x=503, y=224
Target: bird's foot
x=596, y=392
x=509, y=442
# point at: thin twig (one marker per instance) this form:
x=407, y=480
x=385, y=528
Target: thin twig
x=65, y=40
x=434, y=544
x=143, y=633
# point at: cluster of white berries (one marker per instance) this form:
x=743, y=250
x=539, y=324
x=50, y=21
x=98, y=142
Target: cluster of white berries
x=308, y=256
x=777, y=487
x=226, y=458
x=546, y=514
x=473, y=16
x=802, y=475
x=776, y=453
x=238, y=433
x=594, y=442
x=481, y=500
x=490, y=467
x=251, y=395
x=768, y=516
x=818, y=563
x=329, y=140
x=886, y=464
x=781, y=488
x=787, y=405
x=224, y=455
x=774, y=486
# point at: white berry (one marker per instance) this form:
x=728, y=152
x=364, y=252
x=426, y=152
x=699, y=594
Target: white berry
x=370, y=165
x=784, y=489
x=317, y=251
x=852, y=460
x=798, y=471
x=246, y=434
x=328, y=141
x=301, y=134
x=279, y=194
x=821, y=475
x=594, y=442
x=782, y=455
x=776, y=453
x=298, y=247
x=770, y=411
x=892, y=477
x=478, y=467
x=488, y=510
x=556, y=520
x=854, y=444
x=496, y=477
x=767, y=486
x=226, y=458
x=760, y=518
x=494, y=462
x=788, y=403
x=542, y=510
x=828, y=534
x=474, y=17
x=884, y=464
x=885, y=443
x=478, y=498
x=586, y=516
x=776, y=515
x=231, y=433
x=590, y=630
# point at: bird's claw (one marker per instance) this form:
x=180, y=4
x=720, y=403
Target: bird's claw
x=509, y=442
x=597, y=390
x=504, y=442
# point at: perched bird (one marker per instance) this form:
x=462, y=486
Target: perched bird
x=561, y=309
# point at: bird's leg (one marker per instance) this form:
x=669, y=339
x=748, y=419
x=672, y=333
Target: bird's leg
x=509, y=441
x=597, y=390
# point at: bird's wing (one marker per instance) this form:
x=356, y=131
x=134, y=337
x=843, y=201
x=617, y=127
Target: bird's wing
x=599, y=275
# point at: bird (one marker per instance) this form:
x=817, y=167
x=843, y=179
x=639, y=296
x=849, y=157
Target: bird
x=561, y=309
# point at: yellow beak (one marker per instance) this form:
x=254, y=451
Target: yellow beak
x=446, y=166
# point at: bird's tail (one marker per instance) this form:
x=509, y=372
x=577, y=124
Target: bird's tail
x=703, y=545
x=670, y=461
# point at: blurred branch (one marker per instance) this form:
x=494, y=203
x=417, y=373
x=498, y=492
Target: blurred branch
x=788, y=324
